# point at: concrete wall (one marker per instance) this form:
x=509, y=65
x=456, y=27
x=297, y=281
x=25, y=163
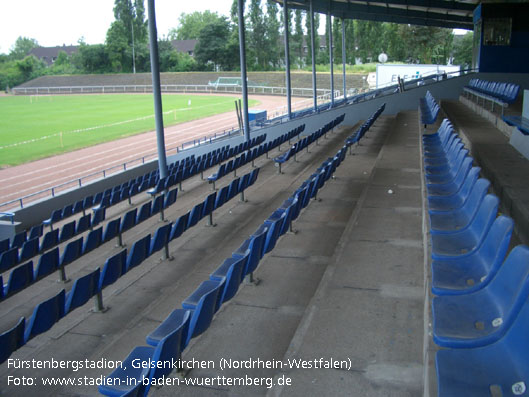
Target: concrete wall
x=408, y=100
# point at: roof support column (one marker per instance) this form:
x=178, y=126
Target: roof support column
x=329, y=24
x=313, y=51
x=155, y=69
x=244, y=81
x=287, y=59
x=344, y=60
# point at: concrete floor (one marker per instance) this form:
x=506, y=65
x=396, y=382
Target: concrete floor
x=348, y=288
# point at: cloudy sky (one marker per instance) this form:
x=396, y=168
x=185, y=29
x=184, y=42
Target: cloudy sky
x=58, y=22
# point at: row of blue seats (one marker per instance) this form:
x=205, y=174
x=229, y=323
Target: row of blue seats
x=355, y=137
x=429, y=109
x=35, y=246
x=47, y=313
x=481, y=313
x=306, y=141
x=130, y=188
x=501, y=93
x=233, y=165
x=172, y=336
x=109, y=198
x=23, y=275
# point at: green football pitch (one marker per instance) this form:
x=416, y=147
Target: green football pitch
x=33, y=127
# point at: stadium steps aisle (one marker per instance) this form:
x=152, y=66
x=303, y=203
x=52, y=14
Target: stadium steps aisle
x=143, y=297
x=348, y=286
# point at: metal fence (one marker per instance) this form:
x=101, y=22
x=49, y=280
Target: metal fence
x=113, y=89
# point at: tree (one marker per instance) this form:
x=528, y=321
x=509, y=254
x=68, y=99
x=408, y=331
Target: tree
x=173, y=61
x=30, y=67
x=296, y=48
x=272, y=34
x=190, y=25
x=212, y=50
x=350, y=42
x=93, y=58
x=21, y=48
x=463, y=50
x=316, y=36
x=127, y=34
x=257, y=43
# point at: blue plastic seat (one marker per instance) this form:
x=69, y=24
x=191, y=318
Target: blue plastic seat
x=456, y=199
x=56, y=216
x=67, y=211
x=78, y=207
x=111, y=230
x=161, y=240
x=274, y=224
x=114, y=267
x=19, y=239
x=451, y=187
x=84, y=223
x=203, y=304
x=93, y=240
x=256, y=246
x=465, y=242
x=179, y=227
x=443, y=172
x=99, y=216
x=36, y=231
x=482, y=317
x=233, y=188
x=128, y=379
x=29, y=249
x=231, y=272
x=222, y=196
x=459, y=219
x=501, y=367
x=4, y=245
x=144, y=213
x=139, y=252
x=44, y=316
x=219, y=174
x=67, y=231
x=20, y=278
x=208, y=207
x=8, y=259
x=50, y=240
x=129, y=220
x=471, y=273
x=82, y=290
x=12, y=339
x=48, y=263
x=71, y=252
x=195, y=215
x=178, y=320
x=170, y=199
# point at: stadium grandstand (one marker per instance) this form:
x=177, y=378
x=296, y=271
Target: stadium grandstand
x=372, y=245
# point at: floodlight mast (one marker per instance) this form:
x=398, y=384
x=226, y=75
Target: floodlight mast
x=155, y=70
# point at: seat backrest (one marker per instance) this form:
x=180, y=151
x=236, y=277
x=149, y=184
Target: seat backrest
x=234, y=188
x=256, y=246
x=113, y=269
x=179, y=227
x=128, y=220
x=48, y=263
x=221, y=197
x=209, y=204
x=485, y=215
x=12, y=339
x=139, y=252
x=67, y=231
x=19, y=239
x=144, y=212
x=99, y=216
x=36, y=231
x=93, y=240
x=274, y=228
x=67, y=211
x=8, y=259
x=20, y=278
x=83, y=224
x=29, y=249
x=45, y=315
x=195, y=215
x=72, y=251
x=204, y=301
x=4, y=245
x=111, y=230
x=82, y=290
x=161, y=238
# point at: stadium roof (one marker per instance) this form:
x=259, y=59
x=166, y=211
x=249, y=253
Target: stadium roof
x=442, y=13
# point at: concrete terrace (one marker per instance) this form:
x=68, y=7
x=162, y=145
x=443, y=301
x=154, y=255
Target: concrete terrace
x=349, y=286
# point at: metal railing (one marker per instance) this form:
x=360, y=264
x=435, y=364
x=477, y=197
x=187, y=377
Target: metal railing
x=114, y=89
